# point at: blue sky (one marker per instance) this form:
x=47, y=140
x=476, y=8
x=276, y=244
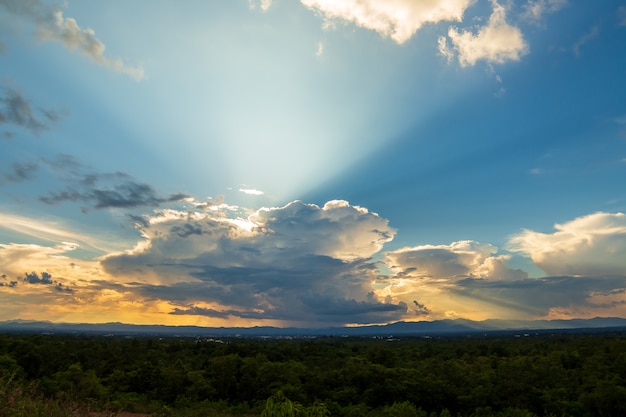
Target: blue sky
x=312, y=162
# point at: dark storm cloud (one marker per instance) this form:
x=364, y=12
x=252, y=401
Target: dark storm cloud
x=16, y=109
x=209, y=312
x=7, y=284
x=34, y=278
x=420, y=309
x=538, y=295
x=45, y=279
x=370, y=310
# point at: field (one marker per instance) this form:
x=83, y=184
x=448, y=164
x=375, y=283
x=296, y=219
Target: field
x=506, y=375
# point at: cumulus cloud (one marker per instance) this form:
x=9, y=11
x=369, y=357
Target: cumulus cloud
x=51, y=25
x=446, y=262
x=496, y=42
x=586, y=246
x=299, y=262
x=397, y=19
x=16, y=109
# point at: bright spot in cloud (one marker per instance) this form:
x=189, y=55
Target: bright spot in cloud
x=251, y=191
x=397, y=19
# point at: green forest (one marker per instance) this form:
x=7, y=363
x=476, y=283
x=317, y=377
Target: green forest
x=537, y=375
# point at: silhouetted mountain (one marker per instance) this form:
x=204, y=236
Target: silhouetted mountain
x=422, y=328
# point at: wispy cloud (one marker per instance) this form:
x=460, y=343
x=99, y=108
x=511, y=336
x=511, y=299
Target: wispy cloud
x=20, y=171
x=621, y=13
x=101, y=190
x=51, y=25
x=535, y=10
x=496, y=42
x=264, y=5
x=320, y=49
x=16, y=109
x=593, y=32
x=398, y=19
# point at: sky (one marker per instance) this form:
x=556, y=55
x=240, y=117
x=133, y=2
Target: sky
x=312, y=163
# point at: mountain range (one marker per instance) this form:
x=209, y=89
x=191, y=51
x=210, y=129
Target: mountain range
x=405, y=329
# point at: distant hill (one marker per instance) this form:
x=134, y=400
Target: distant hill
x=421, y=328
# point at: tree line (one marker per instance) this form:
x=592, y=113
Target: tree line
x=549, y=375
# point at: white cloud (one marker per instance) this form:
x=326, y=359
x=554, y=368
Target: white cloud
x=496, y=42
x=591, y=245
x=51, y=25
x=397, y=19
x=251, y=191
x=445, y=262
x=534, y=10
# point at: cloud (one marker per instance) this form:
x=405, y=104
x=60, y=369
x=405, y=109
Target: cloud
x=102, y=190
x=496, y=42
x=52, y=230
x=4, y=283
x=299, y=262
x=33, y=278
x=586, y=246
x=593, y=32
x=534, y=10
x=16, y=109
x=21, y=172
x=51, y=25
x=621, y=13
x=448, y=262
x=397, y=19
x=421, y=309
x=251, y=191
x=547, y=297
x=264, y=5
x=320, y=49
x=16, y=258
